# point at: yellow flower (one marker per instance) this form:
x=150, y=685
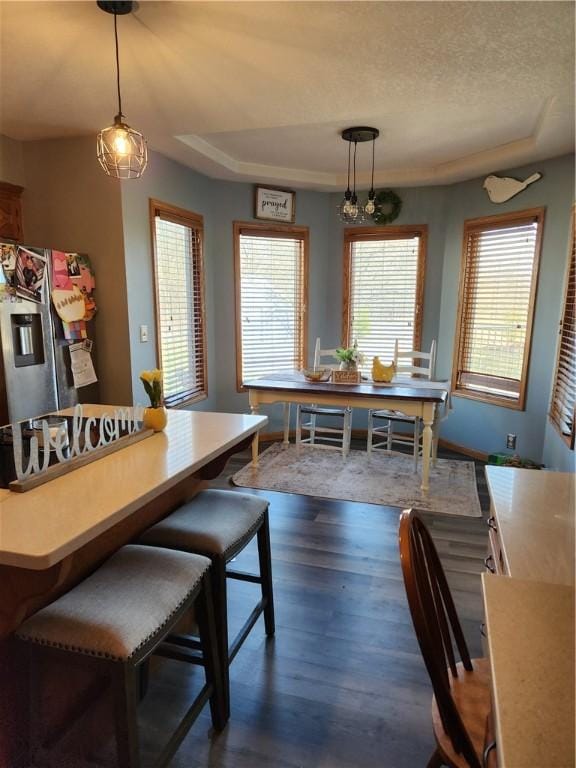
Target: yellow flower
x=151, y=376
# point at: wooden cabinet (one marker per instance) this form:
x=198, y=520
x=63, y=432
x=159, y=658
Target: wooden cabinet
x=11, y=212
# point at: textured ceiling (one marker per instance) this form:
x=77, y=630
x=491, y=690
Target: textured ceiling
x=260, y=91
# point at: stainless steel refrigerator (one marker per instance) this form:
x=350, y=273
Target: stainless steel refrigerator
x=35, y=376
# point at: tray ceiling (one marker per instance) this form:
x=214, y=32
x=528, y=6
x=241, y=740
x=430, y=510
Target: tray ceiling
x=260, y=91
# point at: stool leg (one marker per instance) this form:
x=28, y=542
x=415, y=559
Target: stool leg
x=265, y=560
x=219, y=593
x=210, y=651
x=126, y=684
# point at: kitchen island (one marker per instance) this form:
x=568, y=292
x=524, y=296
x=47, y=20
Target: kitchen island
x=51, y=537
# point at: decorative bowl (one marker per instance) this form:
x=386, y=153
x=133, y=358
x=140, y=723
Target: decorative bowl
x=316, y=375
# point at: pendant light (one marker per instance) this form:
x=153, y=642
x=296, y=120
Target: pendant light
x=349, y=210
x=370, y=206
x=121, y=150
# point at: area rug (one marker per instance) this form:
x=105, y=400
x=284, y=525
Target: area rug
x=387, y=479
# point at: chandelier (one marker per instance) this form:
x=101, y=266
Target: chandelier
x=350, y=210
x=121, y=149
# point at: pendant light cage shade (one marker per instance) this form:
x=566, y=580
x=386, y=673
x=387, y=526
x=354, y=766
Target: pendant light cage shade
x=122, y=151
x=350, y=211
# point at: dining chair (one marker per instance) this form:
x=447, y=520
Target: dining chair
x=413, y=363
x=319, y=434
x=461, y=700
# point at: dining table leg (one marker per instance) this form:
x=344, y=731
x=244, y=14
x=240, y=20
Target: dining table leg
x=428, y=419
x=286, y=440
x=256, y=438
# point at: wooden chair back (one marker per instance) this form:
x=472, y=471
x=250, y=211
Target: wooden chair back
x=320, y=353
x=436, y=625
x=406, y=361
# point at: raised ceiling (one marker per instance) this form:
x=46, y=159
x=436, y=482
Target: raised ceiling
x=259, y=91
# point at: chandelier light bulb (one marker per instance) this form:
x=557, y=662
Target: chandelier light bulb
x=370, y=206
x=347, y=207
x=120, y=142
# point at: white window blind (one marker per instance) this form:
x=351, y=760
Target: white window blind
x=496, y=306
x=383, y=292
x=179, y=303
x=271, y=274
x=564, y=391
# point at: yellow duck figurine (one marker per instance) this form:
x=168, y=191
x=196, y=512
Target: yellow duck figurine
x=382, y=372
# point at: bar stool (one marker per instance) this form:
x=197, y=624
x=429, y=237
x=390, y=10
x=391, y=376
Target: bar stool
x=113, y=621
x=219, y=524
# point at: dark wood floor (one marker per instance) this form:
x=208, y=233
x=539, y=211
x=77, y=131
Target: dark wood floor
x=342, y=685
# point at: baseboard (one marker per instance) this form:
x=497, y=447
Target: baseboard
x=272, y=437
x=474, y=454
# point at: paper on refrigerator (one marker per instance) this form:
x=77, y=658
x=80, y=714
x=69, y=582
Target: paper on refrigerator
x=82, y=367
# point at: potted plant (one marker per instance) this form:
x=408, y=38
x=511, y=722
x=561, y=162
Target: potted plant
x=155, y=416
x=350, y=357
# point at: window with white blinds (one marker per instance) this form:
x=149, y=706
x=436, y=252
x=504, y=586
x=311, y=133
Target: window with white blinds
x=383, y=289
x=178, y=272
x=562, y=407
x=496, y=306
x=271, y=284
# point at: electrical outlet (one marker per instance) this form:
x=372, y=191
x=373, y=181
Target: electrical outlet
x=143, y=333
x=511, y=442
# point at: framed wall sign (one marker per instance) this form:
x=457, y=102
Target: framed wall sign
x=274, y=204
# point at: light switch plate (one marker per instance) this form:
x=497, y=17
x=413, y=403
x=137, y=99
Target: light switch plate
x=143, y=333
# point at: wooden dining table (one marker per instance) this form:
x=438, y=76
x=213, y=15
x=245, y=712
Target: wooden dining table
x=426, y=400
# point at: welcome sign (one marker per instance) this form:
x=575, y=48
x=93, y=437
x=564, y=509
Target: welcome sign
x=56, y=447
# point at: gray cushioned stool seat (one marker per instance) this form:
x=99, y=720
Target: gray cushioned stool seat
x=213, y=522
x=121, y=606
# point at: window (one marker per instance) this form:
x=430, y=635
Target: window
x=496, y=307
x=271, y=266
x=179, y=278
x=564, y=390
x=383, y=289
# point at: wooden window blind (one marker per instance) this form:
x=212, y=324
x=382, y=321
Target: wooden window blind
x=271, y=288
x=179, y=280
x=383, y=289
x=496, y=306
x=562, y=407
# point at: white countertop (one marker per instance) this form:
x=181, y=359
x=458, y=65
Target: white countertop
x=42, y=526
x=534, y=513
x=530, y=628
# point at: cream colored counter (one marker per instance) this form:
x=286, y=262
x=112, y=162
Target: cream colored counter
x=531, y=642
x=43, y=526
x=534, y=518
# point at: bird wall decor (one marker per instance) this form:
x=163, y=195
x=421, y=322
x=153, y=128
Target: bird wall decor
x=502, y=188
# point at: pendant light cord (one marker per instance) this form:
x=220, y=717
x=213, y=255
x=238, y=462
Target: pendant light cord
x=348, y=185
x=354, y=189
x=117, y=65
x=372, y=182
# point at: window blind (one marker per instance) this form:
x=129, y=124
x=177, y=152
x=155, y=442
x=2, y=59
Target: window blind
x=383, y=293
x=564, y=391
x=496, y=306
x=180, y=304
x=271, y=274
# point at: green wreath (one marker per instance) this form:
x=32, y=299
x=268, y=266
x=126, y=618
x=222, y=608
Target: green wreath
x=388, y=207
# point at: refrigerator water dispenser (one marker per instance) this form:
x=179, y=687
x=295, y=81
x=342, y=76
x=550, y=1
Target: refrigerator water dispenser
x=27, y=340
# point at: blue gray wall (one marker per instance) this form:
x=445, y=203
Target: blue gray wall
x=444, y=209
x=480, y=425
x=220, y=203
